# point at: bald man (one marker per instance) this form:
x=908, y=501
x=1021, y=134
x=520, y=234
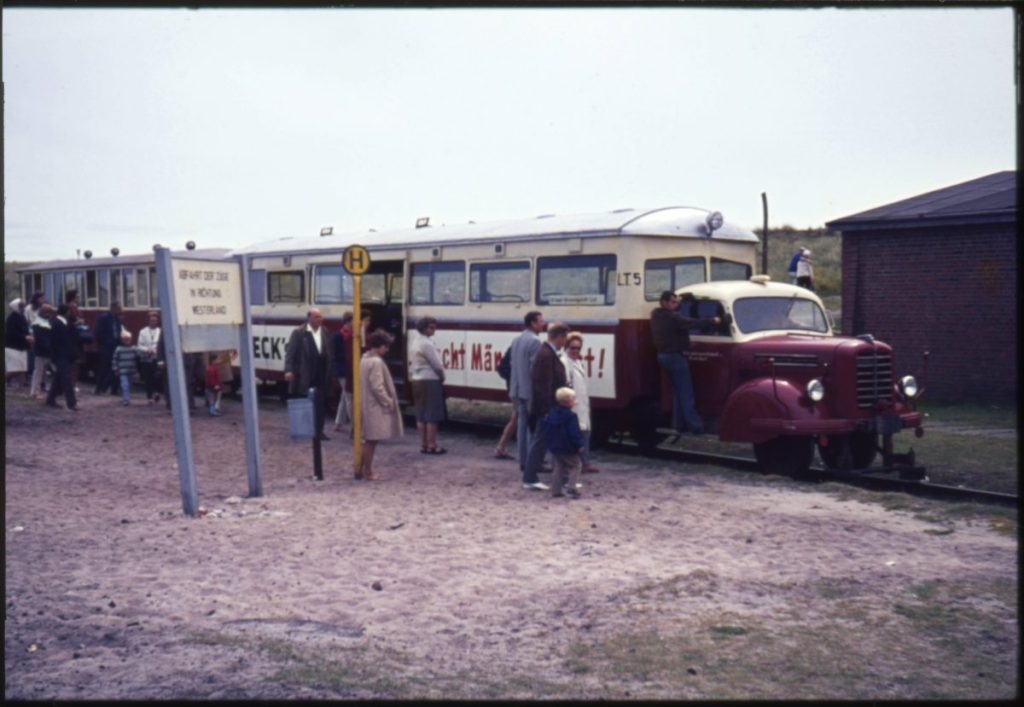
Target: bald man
x=308, y=361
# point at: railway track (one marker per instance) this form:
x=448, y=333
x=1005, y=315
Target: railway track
x=868, y=479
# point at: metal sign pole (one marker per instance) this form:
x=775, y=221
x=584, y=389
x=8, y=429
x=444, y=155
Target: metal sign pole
x=176, y=382
x=357, y=345
x=250, y=408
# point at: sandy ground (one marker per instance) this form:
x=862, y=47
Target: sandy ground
x=447, y=579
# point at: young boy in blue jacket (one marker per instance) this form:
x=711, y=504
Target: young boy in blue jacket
x=564, y=441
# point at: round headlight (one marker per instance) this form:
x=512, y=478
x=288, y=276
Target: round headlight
x=908, y=384
x=816, y=390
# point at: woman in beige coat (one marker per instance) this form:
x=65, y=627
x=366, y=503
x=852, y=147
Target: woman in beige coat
x=382, y=418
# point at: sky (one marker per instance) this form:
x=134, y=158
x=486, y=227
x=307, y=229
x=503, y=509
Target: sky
x=127, y=128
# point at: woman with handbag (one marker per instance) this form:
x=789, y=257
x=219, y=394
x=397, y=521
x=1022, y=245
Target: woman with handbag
x=427, y=375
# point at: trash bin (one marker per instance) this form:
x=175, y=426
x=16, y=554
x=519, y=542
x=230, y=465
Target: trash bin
x=300, y=418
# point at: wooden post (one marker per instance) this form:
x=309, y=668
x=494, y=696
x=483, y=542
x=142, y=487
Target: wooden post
x=357, y=346
x=764, y=235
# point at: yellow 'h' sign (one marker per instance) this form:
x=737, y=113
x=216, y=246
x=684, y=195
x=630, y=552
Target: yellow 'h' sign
x=356, y=260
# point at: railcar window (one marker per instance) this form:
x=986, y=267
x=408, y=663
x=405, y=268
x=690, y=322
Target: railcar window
x=90, y=288
x=729, y=270
x=396, y=287
x=141, y=287
x=115, y=285
x=576, y=280
x=51, y=287
x=154, y=290
x=104, y=281
x=257, y=287
x=333, y=285
x=129, y=287
x=671, y=274
x=438, y=283
x=499, y=282
x=792, y=313
x=26, y=286
x=286, y=286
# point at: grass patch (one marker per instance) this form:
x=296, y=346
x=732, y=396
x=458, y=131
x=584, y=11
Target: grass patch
x=933, y=644
x=969, y=414
x=1002, y=520
x=974, y=461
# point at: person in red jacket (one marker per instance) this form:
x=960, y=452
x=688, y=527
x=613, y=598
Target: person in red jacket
x=213, y=388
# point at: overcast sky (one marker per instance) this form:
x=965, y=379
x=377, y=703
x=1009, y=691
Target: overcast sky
x=133, y=127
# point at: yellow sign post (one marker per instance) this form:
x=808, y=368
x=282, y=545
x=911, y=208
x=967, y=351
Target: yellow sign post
x=356, y=261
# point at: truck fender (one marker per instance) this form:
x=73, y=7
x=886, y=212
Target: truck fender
x=764, y=399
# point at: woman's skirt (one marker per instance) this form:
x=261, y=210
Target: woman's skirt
x=428, y=401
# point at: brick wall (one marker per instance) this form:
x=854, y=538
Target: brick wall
x=951, y=291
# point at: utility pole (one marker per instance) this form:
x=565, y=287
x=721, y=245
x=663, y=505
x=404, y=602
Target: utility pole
x=764, y=234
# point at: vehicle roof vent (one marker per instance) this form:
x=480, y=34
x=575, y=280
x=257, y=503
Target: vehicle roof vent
x=621, y=211
x=761, y=279
x=546, y=216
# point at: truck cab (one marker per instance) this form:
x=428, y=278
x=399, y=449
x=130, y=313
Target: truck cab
x=774, y=374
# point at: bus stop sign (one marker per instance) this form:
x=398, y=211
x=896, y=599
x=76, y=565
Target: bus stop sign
x=356, y=260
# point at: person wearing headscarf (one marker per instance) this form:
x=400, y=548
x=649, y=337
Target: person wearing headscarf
x=17, y=340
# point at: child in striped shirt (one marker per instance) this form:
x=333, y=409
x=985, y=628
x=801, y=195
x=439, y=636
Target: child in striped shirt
x=125, y=364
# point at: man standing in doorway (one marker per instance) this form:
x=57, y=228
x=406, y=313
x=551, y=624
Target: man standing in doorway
x=546, y=377
x=521, y=353
x=671, y=334
x=308, y=362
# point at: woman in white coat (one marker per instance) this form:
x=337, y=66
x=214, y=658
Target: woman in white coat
x=382, y=418
x=576, y=376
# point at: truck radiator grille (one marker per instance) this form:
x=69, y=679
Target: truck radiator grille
x=874, y=379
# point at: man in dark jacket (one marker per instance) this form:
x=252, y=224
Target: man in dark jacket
x=547, y=375
x=63, y=354
x=308, y=363
x=671, y=333
x=108, y=336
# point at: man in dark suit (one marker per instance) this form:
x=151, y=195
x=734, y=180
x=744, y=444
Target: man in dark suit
x=108, y=337
x=63, y=355
x=546, y=376
x=308, y=361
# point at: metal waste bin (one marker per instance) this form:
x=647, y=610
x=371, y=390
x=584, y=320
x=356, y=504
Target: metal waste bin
x=300, y=417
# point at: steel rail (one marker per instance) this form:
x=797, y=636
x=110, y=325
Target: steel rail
x=866, y=479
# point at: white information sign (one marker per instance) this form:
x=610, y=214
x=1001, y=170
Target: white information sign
x=207, y=292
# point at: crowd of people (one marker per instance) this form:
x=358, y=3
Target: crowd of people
x=546, y=380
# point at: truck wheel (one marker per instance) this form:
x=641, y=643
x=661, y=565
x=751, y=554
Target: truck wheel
x=789, y=456
x=853, y=451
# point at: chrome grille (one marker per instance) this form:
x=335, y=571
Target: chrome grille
x=874, y=378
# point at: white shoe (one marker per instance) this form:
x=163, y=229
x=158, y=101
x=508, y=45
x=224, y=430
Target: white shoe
x=538, y=486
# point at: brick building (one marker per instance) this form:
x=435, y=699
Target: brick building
x=938, y=272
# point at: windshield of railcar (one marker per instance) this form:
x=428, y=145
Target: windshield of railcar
x=772, y=313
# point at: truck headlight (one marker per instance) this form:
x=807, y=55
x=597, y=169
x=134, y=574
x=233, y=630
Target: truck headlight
x=815, y=390
x=908, y=386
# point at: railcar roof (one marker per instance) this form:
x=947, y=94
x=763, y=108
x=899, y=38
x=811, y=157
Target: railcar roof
x=121, y=260
x=668, y=221
x=738, y=289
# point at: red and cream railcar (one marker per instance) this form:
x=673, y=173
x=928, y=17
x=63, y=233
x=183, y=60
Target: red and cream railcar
x=601, y=274
x=128, y=279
